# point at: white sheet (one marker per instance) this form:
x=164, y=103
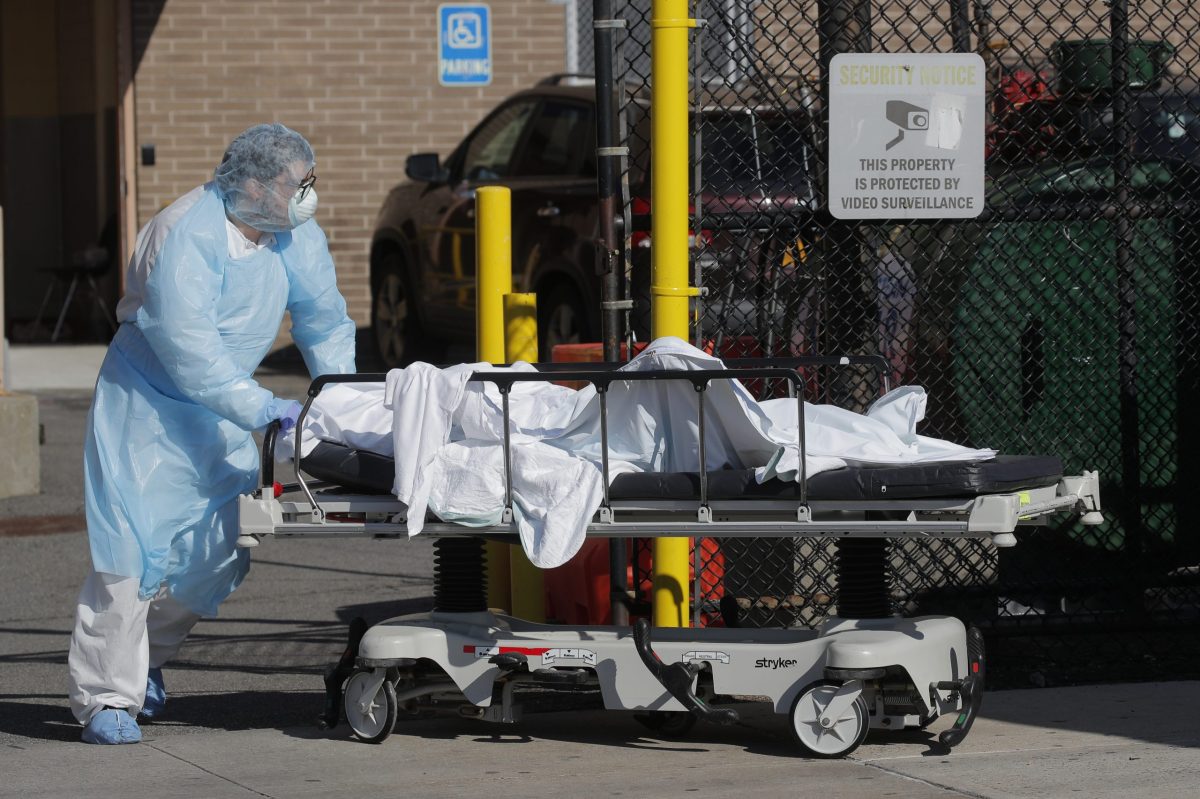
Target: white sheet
x=445, y=436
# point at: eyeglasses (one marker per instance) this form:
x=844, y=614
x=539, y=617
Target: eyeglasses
x=307, y=184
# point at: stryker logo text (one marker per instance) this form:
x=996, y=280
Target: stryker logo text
x=774, y=663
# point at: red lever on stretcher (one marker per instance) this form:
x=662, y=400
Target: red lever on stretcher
x=278, y=489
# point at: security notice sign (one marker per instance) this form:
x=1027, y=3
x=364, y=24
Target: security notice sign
x=464, y=45
x=906, y=136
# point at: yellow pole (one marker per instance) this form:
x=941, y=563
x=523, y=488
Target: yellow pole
x=520, y=344
x=493, y=280
x=669, y=253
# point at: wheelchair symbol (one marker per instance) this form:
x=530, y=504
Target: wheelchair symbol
x=464, y=30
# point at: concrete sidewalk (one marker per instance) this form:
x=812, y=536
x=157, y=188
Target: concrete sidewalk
x=246, y=689
x=599, y=754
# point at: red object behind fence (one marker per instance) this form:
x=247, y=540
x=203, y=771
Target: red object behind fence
x=577, y=592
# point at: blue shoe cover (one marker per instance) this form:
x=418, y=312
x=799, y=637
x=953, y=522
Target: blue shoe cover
x=113, y=725
x=156, y=696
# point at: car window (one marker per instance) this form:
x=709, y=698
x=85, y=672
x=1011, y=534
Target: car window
x=740, y=151
x=763, y=151
x=560, y=143
x=489, y=154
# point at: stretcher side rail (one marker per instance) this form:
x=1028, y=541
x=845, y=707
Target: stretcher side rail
x=601, y=377
x=602, y=381
x=996, y=515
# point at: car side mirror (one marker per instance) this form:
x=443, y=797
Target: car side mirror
x=426, y=168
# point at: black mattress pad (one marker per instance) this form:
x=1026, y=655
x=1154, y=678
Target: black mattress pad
x=366, y=472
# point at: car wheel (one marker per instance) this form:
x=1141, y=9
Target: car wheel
x=561, y=320
x=391, y=312
x=399, y=339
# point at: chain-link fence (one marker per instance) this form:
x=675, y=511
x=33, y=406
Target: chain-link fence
x=1063, y=320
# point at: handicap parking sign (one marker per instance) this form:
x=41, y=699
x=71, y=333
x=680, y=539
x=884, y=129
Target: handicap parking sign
x=464, y=45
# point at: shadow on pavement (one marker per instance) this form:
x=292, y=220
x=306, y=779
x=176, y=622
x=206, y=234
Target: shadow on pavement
x=241, y=710
x=612, y=729
x=40, y=721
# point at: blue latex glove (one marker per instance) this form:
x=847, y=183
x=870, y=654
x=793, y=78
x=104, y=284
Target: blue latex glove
x=113, y=725
x=287, y=421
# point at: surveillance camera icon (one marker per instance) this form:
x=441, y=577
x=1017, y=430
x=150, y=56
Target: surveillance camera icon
x=907, y=117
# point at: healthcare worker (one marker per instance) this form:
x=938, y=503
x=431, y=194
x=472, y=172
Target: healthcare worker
x=168, y=446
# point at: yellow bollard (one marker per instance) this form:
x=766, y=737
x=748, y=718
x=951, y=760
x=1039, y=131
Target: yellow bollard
x=669, y=289
x=520, y=328
x=493, y=259
x=528, y=586
x=493, y=280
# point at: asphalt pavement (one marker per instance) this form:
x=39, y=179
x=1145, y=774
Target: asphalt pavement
x=246, y=690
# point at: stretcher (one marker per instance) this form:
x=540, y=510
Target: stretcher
x=833, y=683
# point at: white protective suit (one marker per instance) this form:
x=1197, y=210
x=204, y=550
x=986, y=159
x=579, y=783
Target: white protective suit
x=168, y=446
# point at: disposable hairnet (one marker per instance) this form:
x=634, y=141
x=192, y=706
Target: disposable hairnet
x=260, y=172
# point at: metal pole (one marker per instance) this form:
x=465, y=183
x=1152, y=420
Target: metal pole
x=960, y=25
x=3, y=338
x=608, y=155
x=1131, y=472
x=845, y=27
x=669, y=289
x=493, y=280
x=608, y=175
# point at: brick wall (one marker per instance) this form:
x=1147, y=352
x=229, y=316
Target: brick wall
x=357, y=77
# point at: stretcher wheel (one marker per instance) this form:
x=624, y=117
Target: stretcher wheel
x=371, y=719
x=668, y=723
x=844, y=734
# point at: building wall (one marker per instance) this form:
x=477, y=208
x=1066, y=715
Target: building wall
x=357, y=77
x=58, y=152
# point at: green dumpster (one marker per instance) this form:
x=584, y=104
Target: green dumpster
x=1086, y=64
x=1036, y=337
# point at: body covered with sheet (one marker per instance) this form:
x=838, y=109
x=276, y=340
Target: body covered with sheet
x=445, y=434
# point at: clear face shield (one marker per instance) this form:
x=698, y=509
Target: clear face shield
x=281, y=205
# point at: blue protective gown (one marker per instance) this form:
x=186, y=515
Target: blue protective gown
x=168, y=446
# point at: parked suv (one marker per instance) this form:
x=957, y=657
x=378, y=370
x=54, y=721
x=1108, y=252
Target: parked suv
x=540, y=143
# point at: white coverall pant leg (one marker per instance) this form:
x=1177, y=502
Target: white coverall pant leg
x=117, y=639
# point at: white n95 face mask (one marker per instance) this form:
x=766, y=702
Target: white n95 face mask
x=302, y=208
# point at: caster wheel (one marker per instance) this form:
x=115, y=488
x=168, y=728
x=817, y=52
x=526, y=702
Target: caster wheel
x=668, y=723
x=370, y=717
x=840, y=736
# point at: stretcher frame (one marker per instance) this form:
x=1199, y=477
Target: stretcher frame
x=833, y=683
x=339, y=513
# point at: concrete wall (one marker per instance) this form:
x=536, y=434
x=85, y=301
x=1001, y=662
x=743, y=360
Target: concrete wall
x=20, y=468
x=357, y=77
